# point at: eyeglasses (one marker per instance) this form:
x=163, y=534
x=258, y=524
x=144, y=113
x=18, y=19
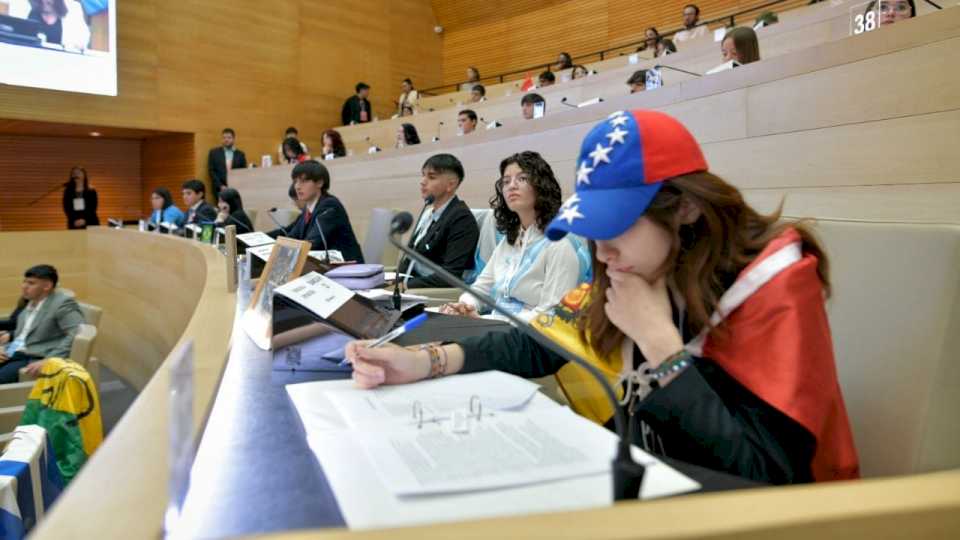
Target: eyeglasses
x=520, y=180
x=894, y=7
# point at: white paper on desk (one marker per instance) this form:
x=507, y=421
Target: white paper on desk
x=335, y=255
x=438, y=397
x=383, y=295
x=503, y=450
x=261, y=252
x=316, y=292
x=255, y=239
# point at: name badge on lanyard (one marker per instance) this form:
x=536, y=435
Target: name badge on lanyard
x=79, y=205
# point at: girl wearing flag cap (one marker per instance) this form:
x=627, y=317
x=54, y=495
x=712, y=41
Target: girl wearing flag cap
x=707, y=316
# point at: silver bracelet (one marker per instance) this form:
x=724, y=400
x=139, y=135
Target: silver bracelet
x=674, y=364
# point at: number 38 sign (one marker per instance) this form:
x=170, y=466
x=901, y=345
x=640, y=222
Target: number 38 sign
x=865, y=17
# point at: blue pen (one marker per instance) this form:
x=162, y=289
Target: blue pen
x=397, y=332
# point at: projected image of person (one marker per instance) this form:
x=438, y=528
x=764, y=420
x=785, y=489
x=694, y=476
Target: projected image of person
x=61, y=21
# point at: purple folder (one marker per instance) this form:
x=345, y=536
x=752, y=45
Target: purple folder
x=358, y=276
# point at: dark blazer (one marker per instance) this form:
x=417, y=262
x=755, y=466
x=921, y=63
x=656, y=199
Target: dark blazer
x=89, y=212
x=450, y=242
x=240, y=219
x=217, y=166
x=333, y=219
x=351, y=110
x=205, y=213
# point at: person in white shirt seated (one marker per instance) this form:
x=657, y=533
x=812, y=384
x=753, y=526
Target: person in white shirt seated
x=526, y=274
x=691, y=23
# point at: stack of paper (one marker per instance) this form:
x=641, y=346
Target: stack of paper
x=525, y=454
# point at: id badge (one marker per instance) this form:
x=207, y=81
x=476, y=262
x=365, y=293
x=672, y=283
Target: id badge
x=79, y=205
x=13, y=347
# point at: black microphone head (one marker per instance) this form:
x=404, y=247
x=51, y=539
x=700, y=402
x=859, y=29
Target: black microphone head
x=401, y=223
x=274, y=209
x=429, y=200
x=564, y=100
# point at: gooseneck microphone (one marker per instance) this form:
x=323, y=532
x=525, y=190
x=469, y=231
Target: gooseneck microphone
x=326, y=248
x=427, y=201
x=671, y=68
x=239, y=223
x=277, y=223
x=627, y=473
x=564, y=102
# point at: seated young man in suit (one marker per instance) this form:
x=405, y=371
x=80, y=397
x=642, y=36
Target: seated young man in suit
x=321, y=210
x=199, y=211
x=45, y=328
x=447, y=233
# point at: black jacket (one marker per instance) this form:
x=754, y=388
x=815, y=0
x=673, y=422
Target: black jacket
x=217, y=166
x=240, y=220
x=351, y=110
x=704, y=416
x=89, y=212
x=205, y=213
x=333, y=219
x=450, y=242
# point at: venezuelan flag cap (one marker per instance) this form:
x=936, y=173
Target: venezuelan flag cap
x=623, y=162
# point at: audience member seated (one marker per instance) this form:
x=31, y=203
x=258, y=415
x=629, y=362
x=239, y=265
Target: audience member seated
x=638, y=81
x=333, y=146
x=478, y=93
x=547, y=78
x=293, y=150
x=674, y=245
x=80, y=200
x=664, y=47
x=322, y=211
x=222, y=159
x=466, y=121
x=527, y=274
x=564, y=61
x=578, y=72
x=740, y=46
x=691, y=24
x=528, y=104
x=651, y=38
x=356, y=109
x=409, y=101
x=447, y=232
x=198, y=210
x=407, y=135
x=164, y=211
x=44, y=329
x=892, y=11
x=473, y=78
x=291, y=133
x=231, y=211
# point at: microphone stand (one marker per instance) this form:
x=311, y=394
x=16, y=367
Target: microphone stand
x=277, y=223
x=661, y=66
x=238, y=222
x=326, y=248
x=49, y=191
x=627, y=473
x=396, y=278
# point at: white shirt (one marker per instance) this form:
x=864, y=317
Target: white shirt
x=530, y=277
x=31, y=314
x=686, y=35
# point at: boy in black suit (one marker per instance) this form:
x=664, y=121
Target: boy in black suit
x=198, y=210
x=223, y=159
x=321, y=210
x=447, y=233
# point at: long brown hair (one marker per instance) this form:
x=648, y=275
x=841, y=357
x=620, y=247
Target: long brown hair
x=705, y=255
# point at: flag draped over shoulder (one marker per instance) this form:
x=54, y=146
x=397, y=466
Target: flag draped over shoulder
x=64, y=401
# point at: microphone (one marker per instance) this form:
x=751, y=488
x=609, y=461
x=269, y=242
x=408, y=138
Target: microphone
x=396, y=281
x=627, y=473
x=661, y=66
x=564, y=102
x=933, y=4
x=273, y=219
x=326, y=249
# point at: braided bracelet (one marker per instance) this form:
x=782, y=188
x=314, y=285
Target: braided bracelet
x=675, y=363
x=437, y=367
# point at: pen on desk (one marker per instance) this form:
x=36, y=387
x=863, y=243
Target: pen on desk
x=397, y=332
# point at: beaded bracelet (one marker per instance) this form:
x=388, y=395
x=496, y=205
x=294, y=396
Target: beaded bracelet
x=675, y=363
x=437, y=367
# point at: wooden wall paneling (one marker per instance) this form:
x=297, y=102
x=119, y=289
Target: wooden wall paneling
x=30, y=166
x=66, y=251
x=167, y=161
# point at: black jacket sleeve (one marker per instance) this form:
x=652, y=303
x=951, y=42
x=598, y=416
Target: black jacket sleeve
x=346, y=113
x=706, y=417
x=91, y=207
x=216, y=175
x=512, y=352
x=206, y=214
x=241, y=160
x=68, y=208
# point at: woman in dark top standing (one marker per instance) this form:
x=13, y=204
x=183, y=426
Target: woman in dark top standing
x=706, y=317
x=231, y=211
x=80, y=201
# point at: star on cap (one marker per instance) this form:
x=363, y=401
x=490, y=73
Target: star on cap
x=583, y=173
x=616, y=114
x=601, y=153
x=570, y=213
x=617, y=136
x=618, y=121
x=574, y=199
